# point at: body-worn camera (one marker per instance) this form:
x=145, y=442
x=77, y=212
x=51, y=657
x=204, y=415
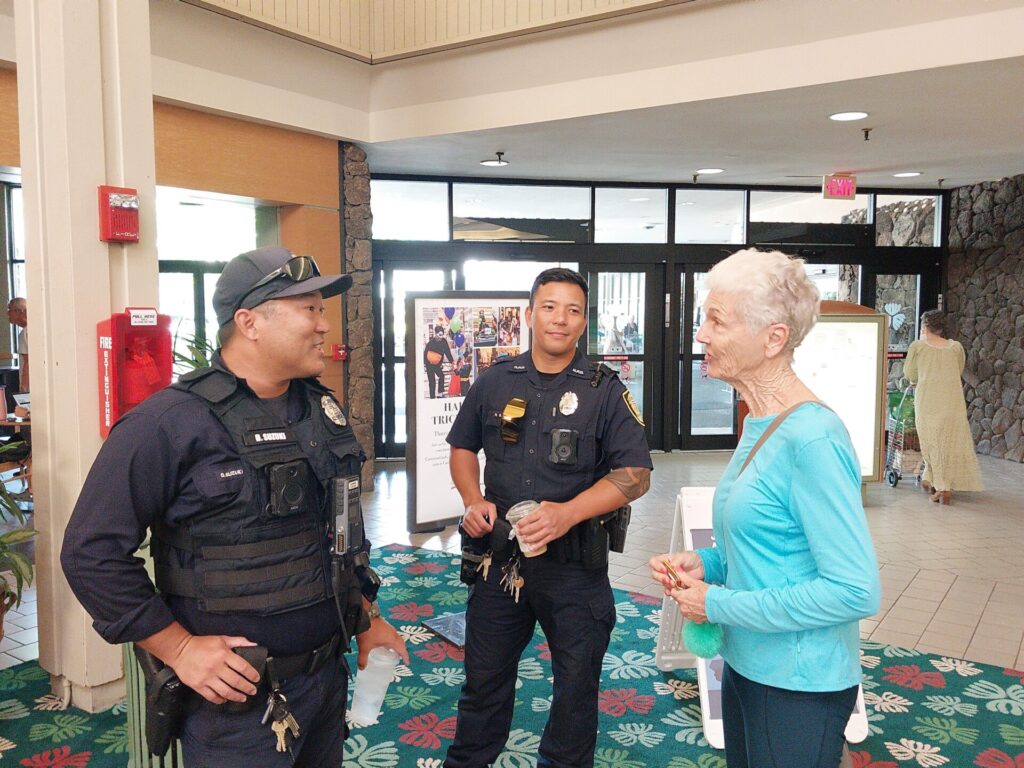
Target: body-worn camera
x=563, y=446
x=291, y=486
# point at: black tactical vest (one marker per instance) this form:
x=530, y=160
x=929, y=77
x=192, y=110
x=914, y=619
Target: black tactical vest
x=248, y=553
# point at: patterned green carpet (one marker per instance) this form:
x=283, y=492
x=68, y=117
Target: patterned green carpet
x=924, y=711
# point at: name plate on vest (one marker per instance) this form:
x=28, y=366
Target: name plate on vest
x=268, y=436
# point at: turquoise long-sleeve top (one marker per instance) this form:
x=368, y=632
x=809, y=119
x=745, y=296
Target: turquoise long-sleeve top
x=793, y=568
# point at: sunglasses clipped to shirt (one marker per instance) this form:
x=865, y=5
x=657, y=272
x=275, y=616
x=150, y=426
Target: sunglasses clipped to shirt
x=296, y=269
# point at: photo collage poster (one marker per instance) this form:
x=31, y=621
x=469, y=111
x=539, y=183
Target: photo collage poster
x=456, y=337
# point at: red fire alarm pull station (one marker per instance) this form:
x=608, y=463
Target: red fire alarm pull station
x=133, y=350
x=119, y=214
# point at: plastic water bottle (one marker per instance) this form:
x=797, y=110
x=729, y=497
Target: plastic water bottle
x=372, y=685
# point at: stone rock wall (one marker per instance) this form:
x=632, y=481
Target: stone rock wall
x=910, y=222
x=985, y=307
x=359, y=300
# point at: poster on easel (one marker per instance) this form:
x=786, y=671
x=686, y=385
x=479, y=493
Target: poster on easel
x=843, y=361
x=451, y=337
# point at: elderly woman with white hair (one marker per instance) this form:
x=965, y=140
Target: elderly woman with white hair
x=794, y=568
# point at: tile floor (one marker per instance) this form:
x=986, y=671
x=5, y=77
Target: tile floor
x=952, y=577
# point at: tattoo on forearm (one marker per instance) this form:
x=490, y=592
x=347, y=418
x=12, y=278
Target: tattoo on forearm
x=633, y=482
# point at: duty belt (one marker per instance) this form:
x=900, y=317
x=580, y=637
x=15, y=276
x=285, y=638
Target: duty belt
x=284, y=667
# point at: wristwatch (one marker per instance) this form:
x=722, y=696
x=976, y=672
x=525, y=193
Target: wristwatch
x=373, y=611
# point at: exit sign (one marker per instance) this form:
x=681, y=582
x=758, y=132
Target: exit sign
x=839, y=186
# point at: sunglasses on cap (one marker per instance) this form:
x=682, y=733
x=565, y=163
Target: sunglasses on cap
x=296, y=269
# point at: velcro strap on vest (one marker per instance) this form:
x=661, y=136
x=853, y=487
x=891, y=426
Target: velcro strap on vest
x=258, y=548
x=262, y=602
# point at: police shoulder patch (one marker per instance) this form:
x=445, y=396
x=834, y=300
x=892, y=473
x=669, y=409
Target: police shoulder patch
x=333, y=411
x=634, y=410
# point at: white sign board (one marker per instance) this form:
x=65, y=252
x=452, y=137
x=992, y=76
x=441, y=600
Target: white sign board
x=842, y=360
x=451, y=338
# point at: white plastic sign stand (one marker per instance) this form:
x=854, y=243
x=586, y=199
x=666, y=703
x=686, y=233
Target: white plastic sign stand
x=691, y=529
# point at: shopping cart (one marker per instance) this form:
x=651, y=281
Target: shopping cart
x=898, y=455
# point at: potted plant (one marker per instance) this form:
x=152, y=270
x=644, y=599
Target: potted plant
x=11, y=558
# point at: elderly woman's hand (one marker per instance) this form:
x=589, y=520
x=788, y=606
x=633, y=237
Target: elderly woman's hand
x=691, y=598
x=680, y=562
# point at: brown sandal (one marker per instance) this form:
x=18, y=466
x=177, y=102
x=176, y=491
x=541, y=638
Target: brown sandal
x=942, y=497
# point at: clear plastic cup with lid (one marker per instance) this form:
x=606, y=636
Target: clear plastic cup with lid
x=516, y=513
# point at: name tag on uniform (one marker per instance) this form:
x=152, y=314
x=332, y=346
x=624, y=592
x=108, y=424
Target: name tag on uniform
x=268, y=436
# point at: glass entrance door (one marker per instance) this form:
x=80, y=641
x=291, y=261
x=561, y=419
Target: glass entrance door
x=393, y=284
x=624, y=331
x=707, y=407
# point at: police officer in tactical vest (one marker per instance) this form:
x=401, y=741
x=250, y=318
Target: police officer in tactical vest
x=556, y=429
x=246, y=474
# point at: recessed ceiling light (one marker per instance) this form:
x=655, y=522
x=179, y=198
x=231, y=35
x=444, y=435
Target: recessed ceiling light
x=845, y=117
x=686, y=202
x=709, y=171
x=639, y=199
x=496, y=161
x=906, y=174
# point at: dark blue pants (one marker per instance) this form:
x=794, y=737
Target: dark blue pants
x=768, y=727
x=576, y=610
x=215, y=738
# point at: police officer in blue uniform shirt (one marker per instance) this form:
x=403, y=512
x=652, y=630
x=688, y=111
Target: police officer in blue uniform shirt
x=559, y=430
x=236, y=470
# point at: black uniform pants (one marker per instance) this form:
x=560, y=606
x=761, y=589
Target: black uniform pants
x=576, y=610
x=215, y=738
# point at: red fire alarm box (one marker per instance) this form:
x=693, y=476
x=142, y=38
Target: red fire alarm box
x=134, y=354
x=119, y=214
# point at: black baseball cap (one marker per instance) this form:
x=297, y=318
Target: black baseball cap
x=238, y=285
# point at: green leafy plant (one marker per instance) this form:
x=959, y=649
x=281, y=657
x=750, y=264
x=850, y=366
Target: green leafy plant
x=11, y=559
x=199, y=352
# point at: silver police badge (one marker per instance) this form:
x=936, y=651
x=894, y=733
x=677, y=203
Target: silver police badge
x=568, y=404
x=333, y=411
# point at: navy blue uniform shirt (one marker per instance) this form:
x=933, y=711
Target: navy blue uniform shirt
x=159, y=461
x=608, y=435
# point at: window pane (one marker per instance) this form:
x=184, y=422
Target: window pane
x=700, y=295
x=709, y=216
x=836, y=282
x=521, y=212
x=906, y=220
x=618, y=302
x=711, y=412
x=630, y=215
x=403, y=281
x=896, y=297
x=807, y=207
x=631, y=373
x=18, y=230
x=506, y=275
x=409, y=210
x=202, y=226
x=176, y=300
x=400, y=423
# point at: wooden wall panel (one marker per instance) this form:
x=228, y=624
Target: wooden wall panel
x=196, y=150
x=10, y=148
